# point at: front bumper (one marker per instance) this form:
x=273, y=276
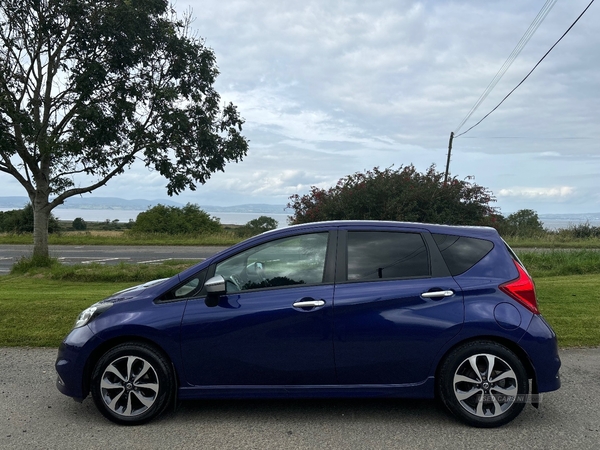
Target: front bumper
x=73, y=355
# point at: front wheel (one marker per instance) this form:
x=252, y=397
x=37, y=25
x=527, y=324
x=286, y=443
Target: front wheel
x=132, y=383
x=484, y=384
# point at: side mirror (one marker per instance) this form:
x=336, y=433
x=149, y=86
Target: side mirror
x=215, y=285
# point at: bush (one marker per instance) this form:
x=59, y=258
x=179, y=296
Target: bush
x=189, y=219
x=580, y=231
x=20, y=221
x=257, y=226
x=79, y=224
x=403, y=194
x=26, y=264
x=523, y=223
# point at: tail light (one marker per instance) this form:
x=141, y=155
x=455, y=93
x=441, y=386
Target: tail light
x=522, y=290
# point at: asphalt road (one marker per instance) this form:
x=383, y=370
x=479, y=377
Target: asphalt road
x=107, y=254
x=34, y=415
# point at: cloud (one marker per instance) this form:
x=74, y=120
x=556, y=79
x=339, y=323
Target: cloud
x=561, y=192
x=329, y=88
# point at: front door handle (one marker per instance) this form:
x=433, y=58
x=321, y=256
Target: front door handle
x=308, y=303
x=437, y=294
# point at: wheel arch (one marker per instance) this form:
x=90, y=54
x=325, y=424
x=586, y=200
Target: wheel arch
x=111, y=343
x=511, y=345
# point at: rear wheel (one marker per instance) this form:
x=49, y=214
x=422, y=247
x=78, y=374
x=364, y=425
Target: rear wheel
x=484, y=384
x=132, y=383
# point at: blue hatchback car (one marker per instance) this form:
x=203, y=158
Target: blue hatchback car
x=330, y=309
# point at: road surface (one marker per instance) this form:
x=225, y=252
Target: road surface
x=33, y=414
x=107, y=254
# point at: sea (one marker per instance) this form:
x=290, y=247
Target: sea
x=242, y=218
x=125, y=215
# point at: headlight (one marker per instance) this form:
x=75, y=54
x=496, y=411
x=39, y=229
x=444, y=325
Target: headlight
x=89, y=314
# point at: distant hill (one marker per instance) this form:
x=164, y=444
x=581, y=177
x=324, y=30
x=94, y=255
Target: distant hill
x=574, y=217
x=115, y=203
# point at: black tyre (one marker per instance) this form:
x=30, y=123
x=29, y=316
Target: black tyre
x=483, y=383
x=132, y=384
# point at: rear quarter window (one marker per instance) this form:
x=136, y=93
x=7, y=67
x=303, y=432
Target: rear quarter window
x=461, y=253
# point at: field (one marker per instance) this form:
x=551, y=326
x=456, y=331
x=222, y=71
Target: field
x=39, y=306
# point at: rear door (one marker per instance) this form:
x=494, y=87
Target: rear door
x=395, y=306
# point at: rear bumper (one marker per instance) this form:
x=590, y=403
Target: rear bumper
x=542, y=348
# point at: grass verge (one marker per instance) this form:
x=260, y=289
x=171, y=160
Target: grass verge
x=561, y=262
x=95, y=272
x=229, y=236
x=39, y=309
x=571, y=304
x=226, y=237
x=38, y=312
x=553, y=241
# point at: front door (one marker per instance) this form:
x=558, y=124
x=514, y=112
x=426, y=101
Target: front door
x=274, y=325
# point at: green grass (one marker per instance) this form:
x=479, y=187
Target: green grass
x=39, y=305
x=553, y=241
x=102, y=273
x=230, y=236
x=571, y=304
x=224, y=238
x=561, y=262
x=37, y=312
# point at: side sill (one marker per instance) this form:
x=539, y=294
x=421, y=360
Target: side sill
x=424, y=389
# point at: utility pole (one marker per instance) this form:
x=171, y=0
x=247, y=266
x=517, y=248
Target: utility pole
x=448, y=160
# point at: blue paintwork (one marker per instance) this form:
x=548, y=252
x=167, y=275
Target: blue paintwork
x=257, y=339
x=376, y=338
x=383, y=329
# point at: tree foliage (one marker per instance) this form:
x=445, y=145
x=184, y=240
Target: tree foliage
x=20, y=221
x=79, y=224
x=523, y=223
x=402, y=194
x=87, y=87
x=257, y=226
x=189, y=219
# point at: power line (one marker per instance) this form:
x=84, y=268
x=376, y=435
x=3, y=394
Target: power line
x=531, y=71
x=531, y=137
x=511, y=58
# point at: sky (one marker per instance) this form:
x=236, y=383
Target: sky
x=332, y=87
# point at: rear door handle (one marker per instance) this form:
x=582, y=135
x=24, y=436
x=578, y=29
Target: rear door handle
x=308, y=303
x=437, y=294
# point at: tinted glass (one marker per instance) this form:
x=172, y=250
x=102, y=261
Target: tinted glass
x=189, y=288
x=284, y=262
x=381, y=255
x=461, y=253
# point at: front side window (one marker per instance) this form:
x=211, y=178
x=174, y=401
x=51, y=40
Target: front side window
x=377, y=255
x=192, y=287
x=285, y=262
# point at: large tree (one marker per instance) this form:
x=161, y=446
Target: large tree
x=87, y=87
x=402, y=194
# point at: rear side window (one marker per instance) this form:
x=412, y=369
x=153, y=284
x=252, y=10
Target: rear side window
x=384, y=255
x=461, y=253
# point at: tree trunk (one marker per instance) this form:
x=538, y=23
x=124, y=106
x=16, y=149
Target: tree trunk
x=41, y=219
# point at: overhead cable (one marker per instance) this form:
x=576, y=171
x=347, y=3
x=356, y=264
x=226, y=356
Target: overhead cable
x=511, y=58
x=531, y=71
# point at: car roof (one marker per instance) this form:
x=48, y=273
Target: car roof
x=460, y=230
